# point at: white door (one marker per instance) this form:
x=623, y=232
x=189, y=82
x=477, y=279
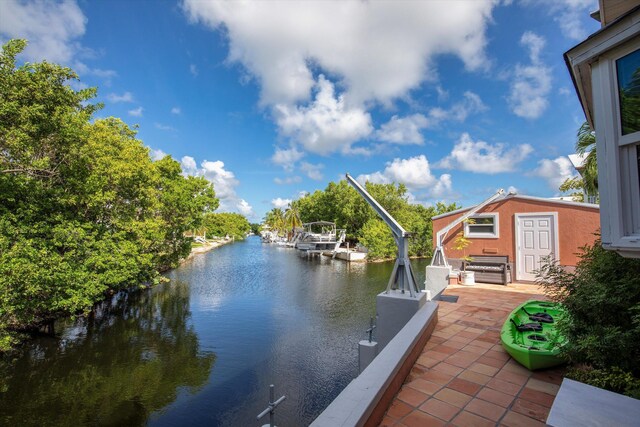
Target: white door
x=536, y=238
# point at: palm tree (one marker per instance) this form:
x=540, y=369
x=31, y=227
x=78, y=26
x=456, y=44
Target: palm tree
x=292, y=218
x=586, y=143
x=275, y=220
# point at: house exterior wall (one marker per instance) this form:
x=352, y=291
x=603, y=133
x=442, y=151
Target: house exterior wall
x=577, y=226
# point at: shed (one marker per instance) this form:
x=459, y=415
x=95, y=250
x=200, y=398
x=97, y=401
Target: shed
x=525, y=229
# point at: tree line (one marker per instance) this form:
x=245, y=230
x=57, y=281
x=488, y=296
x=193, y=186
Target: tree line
x=340, y=203
x=84, y=210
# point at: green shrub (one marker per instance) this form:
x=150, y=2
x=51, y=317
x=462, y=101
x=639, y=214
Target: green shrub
x=614, y=379
x=602, y=328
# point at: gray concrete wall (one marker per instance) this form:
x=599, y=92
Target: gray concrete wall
x=364, y=401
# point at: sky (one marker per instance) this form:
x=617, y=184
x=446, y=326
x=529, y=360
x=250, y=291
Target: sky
x=272, y=99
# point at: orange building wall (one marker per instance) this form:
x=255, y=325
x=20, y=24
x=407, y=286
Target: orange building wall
x=576, y=227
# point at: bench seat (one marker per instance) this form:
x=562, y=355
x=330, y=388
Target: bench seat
x=489, y=268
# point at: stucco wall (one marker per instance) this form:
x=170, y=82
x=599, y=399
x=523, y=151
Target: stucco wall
x=577, y=226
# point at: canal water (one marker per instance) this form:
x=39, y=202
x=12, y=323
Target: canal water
x=203, y=349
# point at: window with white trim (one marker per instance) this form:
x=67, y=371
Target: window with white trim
x=619, y=140
x=483, y=226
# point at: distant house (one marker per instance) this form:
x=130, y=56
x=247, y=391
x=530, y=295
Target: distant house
x=525, y=229
x=605, y=69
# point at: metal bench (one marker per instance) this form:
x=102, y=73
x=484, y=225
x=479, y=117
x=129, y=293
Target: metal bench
x=489, y=268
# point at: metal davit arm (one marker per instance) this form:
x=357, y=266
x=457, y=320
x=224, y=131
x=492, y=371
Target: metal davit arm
x=438, y=255
x=402, y=276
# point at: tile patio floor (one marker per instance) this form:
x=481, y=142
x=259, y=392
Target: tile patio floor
x=463, y=376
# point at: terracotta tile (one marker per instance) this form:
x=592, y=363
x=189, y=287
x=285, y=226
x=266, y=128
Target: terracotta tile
x=423, y=386
x=447, y=368
x=531, y=409
x=511, y=377
x=464, y=386
x=495, y=396
x=439, y=409
x=474, y=377
x=398, y=409
x=536, y=396
x=455, y=344
x=411, y=396
x=504, y=386
x=554, y=376
x=437, y=377
x=452, y=397
x=472, y=348
x=420, y=419
x=542, y=386
x=426, y=361
x=457, y=337
x=479, y=342
x=467, y=419
x=388, y=422
x=445, y=349
x=499, y=355
x=484, y=369
x=432, y=354
x=469, y=334
x=436, y=340
x=461, y=359
x=485, y=409
x=514, y=419
x=516, y=368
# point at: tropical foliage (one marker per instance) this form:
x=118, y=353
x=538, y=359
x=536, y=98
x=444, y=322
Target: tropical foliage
x=83, y=208
x=226, y=224
x=602, y=298
x=588, y=179
x=340, y=203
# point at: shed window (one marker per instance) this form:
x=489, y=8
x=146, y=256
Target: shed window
x=482, y=226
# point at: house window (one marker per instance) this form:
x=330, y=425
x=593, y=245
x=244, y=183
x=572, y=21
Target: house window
x=628, y=73
x=482, y=226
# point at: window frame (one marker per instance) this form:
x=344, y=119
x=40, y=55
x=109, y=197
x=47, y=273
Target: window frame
x=617, y=165
x=476, y=235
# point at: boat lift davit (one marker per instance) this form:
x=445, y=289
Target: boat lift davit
x=439, y=259
x=402, y=276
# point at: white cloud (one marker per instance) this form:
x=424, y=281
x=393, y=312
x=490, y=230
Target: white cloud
x=288, y=180
x=555, y=171
x=326, y=125
x=512, y=190
x=482, y=157
x=415, y=173
x=189, y=165
x=176, y=110
x=136, y=112
x=156, y=154
x=224, y=184
x=378, y=50
x=52, y=28
x=115, y=98
x=280, y=203
x=531, y=83
x=312, y=171
x=193, y=69
x=569, y=14
x=286, y=157
x=375, y=53
x=163, y=127
x=403, y=130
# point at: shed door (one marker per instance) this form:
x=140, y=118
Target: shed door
x=536, y=239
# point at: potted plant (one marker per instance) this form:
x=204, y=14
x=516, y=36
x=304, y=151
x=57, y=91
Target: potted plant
x=460, y=244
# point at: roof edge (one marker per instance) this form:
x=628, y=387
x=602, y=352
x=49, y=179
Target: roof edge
x=531, y=198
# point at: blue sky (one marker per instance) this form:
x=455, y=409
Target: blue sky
x=270, y=99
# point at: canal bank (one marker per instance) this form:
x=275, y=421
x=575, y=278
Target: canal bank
x=203, y=349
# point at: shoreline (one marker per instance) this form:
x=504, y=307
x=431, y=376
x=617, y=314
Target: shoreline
x=206, y=248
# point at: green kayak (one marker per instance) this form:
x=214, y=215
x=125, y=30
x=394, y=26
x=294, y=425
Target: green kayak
x=529, y=334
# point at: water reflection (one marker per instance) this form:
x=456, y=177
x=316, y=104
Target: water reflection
x=264, y=315
x=133, y=357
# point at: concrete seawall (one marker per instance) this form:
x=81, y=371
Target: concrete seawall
x=364, y=401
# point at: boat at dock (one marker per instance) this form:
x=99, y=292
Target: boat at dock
x=320, y=236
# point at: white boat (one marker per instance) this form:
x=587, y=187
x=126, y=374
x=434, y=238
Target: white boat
x=319, y=236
